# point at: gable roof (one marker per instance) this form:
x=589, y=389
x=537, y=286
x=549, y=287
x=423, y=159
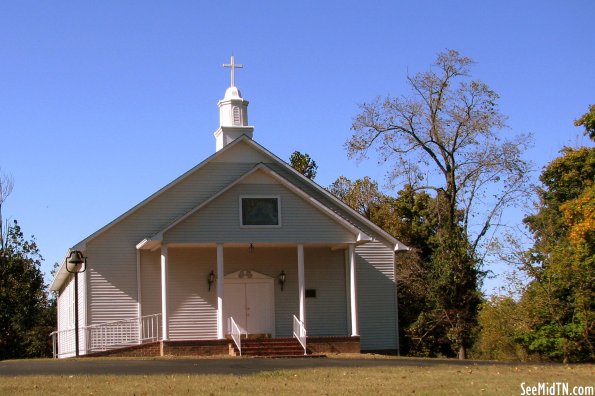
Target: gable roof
x=283, y=171
x=360, y=235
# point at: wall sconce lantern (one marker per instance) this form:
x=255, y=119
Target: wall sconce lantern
x=251, y=248
x=211, y=279
x=282, y=278
x=76, y=262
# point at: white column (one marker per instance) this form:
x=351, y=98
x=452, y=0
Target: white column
x=347, y=288
x=220, y=278
x=353, y=292
x=139, y=295
x=164, y=264
x=301, y=283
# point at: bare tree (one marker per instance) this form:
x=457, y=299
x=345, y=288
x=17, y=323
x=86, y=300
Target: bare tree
x=447, y=136
x=6, y=185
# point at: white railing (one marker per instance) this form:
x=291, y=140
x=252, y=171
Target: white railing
x=299, y=332
x=150, y=328
x=236, y=334
x=109, y=335
x=63, y=343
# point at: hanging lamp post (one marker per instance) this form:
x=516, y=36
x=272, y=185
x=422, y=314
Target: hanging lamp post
x=76, y=263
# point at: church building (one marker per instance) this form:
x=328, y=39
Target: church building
x=240, y=249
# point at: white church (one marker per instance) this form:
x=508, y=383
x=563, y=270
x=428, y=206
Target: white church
x=240, y=255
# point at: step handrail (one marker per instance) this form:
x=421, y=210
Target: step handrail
x=299, y=332
x=236, y=334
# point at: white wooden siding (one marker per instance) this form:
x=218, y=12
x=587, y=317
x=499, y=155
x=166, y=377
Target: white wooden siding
x=66, y=308
x=83, y=310
x=66, y=317
x=192, y=309
x=268, y=261
x=112, y=256
x=150, y=280
x=324, y=270
x=112, y=272
x=220, y=221
x=376, y=296
x=112, y=276
x=240, y=153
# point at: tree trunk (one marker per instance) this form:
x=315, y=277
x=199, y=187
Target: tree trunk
x=462, y=352
x=1, y=231
x=566, y=357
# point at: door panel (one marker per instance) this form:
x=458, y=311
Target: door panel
x=251, y=304
x=258, y=308
x=234, y=305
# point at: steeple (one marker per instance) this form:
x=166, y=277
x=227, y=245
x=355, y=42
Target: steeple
x=233, y=113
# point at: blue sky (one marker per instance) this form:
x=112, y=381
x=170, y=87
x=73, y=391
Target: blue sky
x=103, y=103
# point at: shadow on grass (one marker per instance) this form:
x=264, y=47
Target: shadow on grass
x=219, y=365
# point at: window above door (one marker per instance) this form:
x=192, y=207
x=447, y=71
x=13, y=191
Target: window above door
x=260, y=211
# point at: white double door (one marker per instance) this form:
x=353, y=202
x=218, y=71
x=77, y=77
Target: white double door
x=251, y=304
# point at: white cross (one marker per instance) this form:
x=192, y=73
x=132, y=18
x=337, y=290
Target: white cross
x=233, y=66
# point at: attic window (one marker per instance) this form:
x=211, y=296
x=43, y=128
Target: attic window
x=260, y=211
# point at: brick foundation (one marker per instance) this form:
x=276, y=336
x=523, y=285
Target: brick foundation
x=333, y=344
x=196, y=348
x=316, y=345
x=143, y=350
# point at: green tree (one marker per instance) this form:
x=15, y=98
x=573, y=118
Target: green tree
x=561, y=264
x=303, y=164
x=588, y=121
x=501, y=321
x=362, y=195
x=446, y=137
x=412, y=217
x=27, y=316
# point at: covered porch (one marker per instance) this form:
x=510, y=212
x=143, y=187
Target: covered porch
x=188, y=293
x=197, y=288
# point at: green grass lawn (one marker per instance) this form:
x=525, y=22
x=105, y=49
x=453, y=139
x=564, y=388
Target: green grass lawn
x=437, y=380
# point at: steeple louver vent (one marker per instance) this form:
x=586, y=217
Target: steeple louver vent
x=237, y=119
